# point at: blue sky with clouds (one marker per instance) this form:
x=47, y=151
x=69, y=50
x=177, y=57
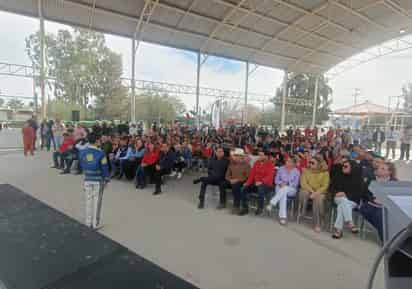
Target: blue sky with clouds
x=376, y=80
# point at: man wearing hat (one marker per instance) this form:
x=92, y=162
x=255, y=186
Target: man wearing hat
x=236, y=175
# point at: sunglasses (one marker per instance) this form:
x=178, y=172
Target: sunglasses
x=346, y=166
x=312, y=163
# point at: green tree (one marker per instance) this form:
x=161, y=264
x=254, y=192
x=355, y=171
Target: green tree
x=302, y=86
x=85, y=71
x=154, y=107
x=15, y=103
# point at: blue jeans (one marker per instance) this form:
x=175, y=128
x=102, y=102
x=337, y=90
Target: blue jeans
x=343, y=211
x=58, y=141
x=140, y=176
x=262, y=191
x=373, y=214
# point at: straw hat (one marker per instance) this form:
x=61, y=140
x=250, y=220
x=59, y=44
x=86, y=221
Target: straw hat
x=238, y=152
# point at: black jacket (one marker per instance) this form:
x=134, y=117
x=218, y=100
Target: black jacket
x=382, y=136
x=167, y=160
x=217, y=168
x=352, y=184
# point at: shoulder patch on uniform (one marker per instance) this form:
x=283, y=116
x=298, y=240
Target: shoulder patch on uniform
x=89, y=157
x=104, y=161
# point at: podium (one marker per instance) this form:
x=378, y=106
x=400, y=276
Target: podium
x=396, y=198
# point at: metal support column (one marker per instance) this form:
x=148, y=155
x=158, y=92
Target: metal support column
x=244, y=117
x=284, y=95
x=42, y=62
x=198, y=91
x=133, y=84
x=315, y=102
x=35, y=96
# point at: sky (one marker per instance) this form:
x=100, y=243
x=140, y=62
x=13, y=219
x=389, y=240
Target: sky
x=376, y=80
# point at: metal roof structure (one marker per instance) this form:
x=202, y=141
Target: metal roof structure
x=310, y=36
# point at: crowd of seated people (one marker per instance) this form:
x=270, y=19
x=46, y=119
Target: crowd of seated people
x=317, y=169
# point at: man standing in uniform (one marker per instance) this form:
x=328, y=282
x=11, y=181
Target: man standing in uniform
x=95, y=168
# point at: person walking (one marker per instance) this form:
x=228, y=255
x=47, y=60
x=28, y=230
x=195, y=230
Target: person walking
x=391, y=140
x=94, y=165
x=28, y=139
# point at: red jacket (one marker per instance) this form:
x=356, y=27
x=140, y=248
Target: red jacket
x=150, y=158
x=207, y=152
x=67, y=143
x=263, y=172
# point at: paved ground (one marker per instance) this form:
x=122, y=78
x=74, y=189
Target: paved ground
x=209, y=248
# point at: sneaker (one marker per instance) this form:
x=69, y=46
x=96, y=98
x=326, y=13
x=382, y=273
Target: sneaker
x=155, y=193
x=172, y=174
x=64, y=173
x=282, y=222
x=179, y=176
x=201, y=205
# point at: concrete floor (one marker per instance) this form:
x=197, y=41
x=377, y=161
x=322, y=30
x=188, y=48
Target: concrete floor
x=212, y=249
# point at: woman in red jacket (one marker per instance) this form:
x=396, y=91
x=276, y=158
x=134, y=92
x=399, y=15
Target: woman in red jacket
x=28, y=138
x=147, y=166
x=260, y=178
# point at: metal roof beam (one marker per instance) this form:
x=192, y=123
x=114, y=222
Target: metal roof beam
x=172, y=29
x=325, y=23
x=240, y=29
x=282, y=23
x=312, y=13
x=364, y=17
x=145, y=15
x=397, y=9
x=226, y=42
x=220, y=24
x=358, y=14
x=354, y=12
x=293, y=24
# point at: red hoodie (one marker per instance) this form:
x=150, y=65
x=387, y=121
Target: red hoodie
x=150, y=158
x=263, y=172
x=207, y=152
x=67, y=144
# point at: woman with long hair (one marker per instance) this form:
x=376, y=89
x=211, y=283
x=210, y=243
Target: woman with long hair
x=314, y=184
x=287, y=182
x=346, y=189
x=147, y=166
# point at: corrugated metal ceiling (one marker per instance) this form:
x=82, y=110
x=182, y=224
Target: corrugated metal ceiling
x=299, y=35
